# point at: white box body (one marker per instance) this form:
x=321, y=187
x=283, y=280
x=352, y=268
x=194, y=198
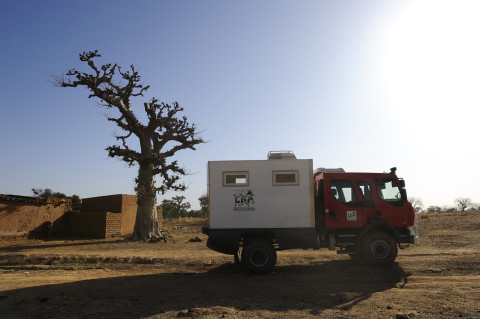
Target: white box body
x=261, y=194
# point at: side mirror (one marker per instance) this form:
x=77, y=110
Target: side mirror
x=403, y=193
x=402, y=183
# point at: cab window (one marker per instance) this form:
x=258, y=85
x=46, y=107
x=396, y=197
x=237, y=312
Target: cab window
x=388, y=190
x=343, y=191
x=365, y=190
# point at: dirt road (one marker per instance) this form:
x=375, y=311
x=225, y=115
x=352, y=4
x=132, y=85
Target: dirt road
x=119, y=279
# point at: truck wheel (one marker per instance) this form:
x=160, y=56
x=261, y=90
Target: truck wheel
x=259, y=256
x=236, y=257
x=379, y=249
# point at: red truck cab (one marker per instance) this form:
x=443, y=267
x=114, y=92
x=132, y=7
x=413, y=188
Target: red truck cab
x=351, y=199
x=351, y=205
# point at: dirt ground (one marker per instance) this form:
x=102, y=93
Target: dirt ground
x=115, y=278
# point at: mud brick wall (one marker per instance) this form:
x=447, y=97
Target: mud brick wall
x=129, y=214
x=100, y=217
x=20, y=215
x=124, y=205
x=91, y=225
x=87, y=224
x=110, y=203
x=113, y=224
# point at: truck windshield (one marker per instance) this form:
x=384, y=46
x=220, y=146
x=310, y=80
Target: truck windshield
x=388, y=190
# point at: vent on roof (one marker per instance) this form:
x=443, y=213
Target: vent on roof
x=273, y=155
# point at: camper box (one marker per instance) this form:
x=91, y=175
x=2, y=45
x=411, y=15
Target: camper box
x=258, y=194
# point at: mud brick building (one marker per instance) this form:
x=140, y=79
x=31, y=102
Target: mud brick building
x=104, y=216
x=20, y=215
x=99, y=217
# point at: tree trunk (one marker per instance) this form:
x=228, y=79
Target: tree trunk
x=147, y=226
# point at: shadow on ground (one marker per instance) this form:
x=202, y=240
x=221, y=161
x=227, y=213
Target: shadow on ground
x=58, y=243
x=313, y=288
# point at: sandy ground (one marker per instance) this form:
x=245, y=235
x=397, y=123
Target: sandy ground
x=115, y=278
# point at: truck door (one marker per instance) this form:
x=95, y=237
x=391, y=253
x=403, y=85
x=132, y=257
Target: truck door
x=366, y=192
x=343, y=209
x=389, y=204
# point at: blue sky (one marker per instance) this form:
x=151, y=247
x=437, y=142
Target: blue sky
x=363, y=85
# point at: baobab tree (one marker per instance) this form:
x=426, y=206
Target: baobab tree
x=175, y=207
x=179, y=205
x=164, y=134
x=462, y=203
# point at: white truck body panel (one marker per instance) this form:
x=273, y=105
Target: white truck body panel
x=261, y=194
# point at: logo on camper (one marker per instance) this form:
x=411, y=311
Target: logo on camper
x=244, y=201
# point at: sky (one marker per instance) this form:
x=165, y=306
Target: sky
x=363, y=85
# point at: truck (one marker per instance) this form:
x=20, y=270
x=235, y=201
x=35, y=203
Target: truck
x=259, y=207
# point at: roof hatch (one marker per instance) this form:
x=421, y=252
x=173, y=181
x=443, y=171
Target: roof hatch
x=275, y=155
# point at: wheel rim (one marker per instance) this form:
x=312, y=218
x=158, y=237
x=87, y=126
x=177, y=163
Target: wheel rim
x=259, y=257
x=380, y=249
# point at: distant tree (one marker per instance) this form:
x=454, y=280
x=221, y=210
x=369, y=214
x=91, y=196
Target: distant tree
x=59, y=195
x=180, y=207
x=164, y=134
x=168, y=209
x=203, y=205
x=76, y=202
x=417, y=203
x=47, y=192
x=462, y=203
x=43, y=193
x=193, y=213
x=175, y=207
x=434, y=209
x=448, y=209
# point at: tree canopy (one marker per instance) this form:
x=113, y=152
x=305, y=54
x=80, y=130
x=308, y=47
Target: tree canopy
x=47, y=192
x=462, y=203
x=164, y=134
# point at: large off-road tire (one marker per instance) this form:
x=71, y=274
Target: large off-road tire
x=236, y=257
x=379, y=249
x=259, y=256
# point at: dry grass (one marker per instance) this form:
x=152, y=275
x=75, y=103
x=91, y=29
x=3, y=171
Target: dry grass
x=427, y=215
x=186, y=221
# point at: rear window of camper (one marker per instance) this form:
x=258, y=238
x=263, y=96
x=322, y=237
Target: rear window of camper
x=235, y=178
x=285, y=178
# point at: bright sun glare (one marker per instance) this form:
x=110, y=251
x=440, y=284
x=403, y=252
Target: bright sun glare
x=431, y=59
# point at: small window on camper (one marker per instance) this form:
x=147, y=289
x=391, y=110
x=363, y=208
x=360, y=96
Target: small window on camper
x=235, y=179
x=285, y=178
